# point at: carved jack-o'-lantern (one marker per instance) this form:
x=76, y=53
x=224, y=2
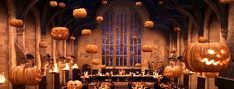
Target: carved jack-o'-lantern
x=74, y=84
x=53, y=3
x=80, y=13
x=99, y=19
x=16, y=22
x=86, y=32
x=59, y=33
x=43, y=44
x=62, y=5
x=226, y=1
x=25, y=75
x=138, y=4
x=172, y=71
x=207, y=57
x=91, y=48
x=149, y=24
x=147, y=48
x=95, y=61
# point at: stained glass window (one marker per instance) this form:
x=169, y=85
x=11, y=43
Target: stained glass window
x=121, y=38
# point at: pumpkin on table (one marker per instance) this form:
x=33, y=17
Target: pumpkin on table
x=59, y=33
x=76, y=84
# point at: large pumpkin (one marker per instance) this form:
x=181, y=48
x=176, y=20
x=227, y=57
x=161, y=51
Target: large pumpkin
x=59, y=33
x=91, y=48
x=86, y=32
x=16, y=22
x=173, y=71
x=149, y=24
x=22, y=75
x=74, y=84
x=80, y=13
x=206, y=57
x=95, y=61
x=147, y=48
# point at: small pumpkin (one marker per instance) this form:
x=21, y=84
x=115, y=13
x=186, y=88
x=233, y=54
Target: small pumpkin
x=177, y=29
x=86, y=32
x=72, y=38
x=99, y=19
x=147, y=48
x=62, y=5
x=211, y=74
x=53, y=3
x=59, y=33
x=104, y=2
x=80, y=13
x=173, y=71
x=138, y=4
x=149, y=24
x=91, y=48
x=16, y=22
x=43, y=44
x=202, y=39
x=74, y=84
x=137, y=65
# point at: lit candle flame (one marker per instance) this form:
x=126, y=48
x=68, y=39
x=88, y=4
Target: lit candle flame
x=211, y=51
x=55, y=69
x=66, y=67
x=75, y=66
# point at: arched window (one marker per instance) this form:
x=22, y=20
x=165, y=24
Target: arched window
x=121, y=37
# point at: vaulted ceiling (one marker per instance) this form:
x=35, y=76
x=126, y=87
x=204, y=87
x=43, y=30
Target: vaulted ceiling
x=165, y=13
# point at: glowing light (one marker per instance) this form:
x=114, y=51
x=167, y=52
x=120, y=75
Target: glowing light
x=75, y=66
x=211, y=51
x=66, y=67
x=2, y=78
x=204, y=60
x=60, y=35
x=208, y=63
x=219, y=56
x=222, y=51
x=55, y=69
x=216, y=63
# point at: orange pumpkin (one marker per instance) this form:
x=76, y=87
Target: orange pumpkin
x=99, y=19
x=80, y=13
x=86, y=32
x=23, y=75
x=91, y=48
x=173, y=71
x=62, y=5
x=147, y=48
x=177, y=29
x=72, y=38
x=95, y=61
x=138, y=65
x=103, y=66
x=149, y=24
x=207, y=57
x=59, y=33
x=74, y=84
x=202, y=39
x=43, y=44
x=104, y=2
x=226, y=1
x=53, y=3
x=16, y=22
x=138, y=4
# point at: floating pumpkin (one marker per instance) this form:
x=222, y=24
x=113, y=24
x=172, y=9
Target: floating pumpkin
x=177, y=29
x=138, y=4
x=104, y=2
x=99, y=19
x=43, y=44
x=91, y=48
x=86, y=32
x=62, y=5
x=202, y=39
x=172, y=71
x=103, y=66
x=53, y=3
x=149, y=24
x=226, y=1
x=16, y=22
x=72, y=38
x=74, y=84
x=22, y=75
x=95, y=61
x=137, y=65
x=80, y=13
x=59, y=33
x=207, y=57
x=147, y=48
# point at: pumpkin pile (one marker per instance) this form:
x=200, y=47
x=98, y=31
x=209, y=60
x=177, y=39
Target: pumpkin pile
x=74, y=84
x=22, y=75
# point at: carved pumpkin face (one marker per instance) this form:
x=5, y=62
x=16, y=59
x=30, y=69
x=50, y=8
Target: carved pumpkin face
x=206, y=57
x=59, y=33
x=74, y=84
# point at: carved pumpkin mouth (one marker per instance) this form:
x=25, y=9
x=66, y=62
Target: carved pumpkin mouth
x=212, y=62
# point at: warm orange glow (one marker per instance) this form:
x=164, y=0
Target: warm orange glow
x=211, y=51
x=66, y=67
x=204, y=60
x=218, y=55
x=55, y=69
x=2, y=78
x=222, y=51
x=75, y=66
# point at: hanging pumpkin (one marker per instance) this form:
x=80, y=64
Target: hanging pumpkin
x=43, y=44
x=72, y=38
x=91, y=48
x=53, y=3
x=149, y=24
x=147, y=48
x=103, y=66
x=226, y=1
x=22, y=75
x=16, y=22
x=207, y=57
x=138, y=4
x=80, y=13
x=177, y=29
x=76, y=84
x=104, y=2
x=138, y=65
x=86, y=32
x=95, y=61
x=202, y=39
x=62, y=5
x=99, y=19
x=59, y=33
